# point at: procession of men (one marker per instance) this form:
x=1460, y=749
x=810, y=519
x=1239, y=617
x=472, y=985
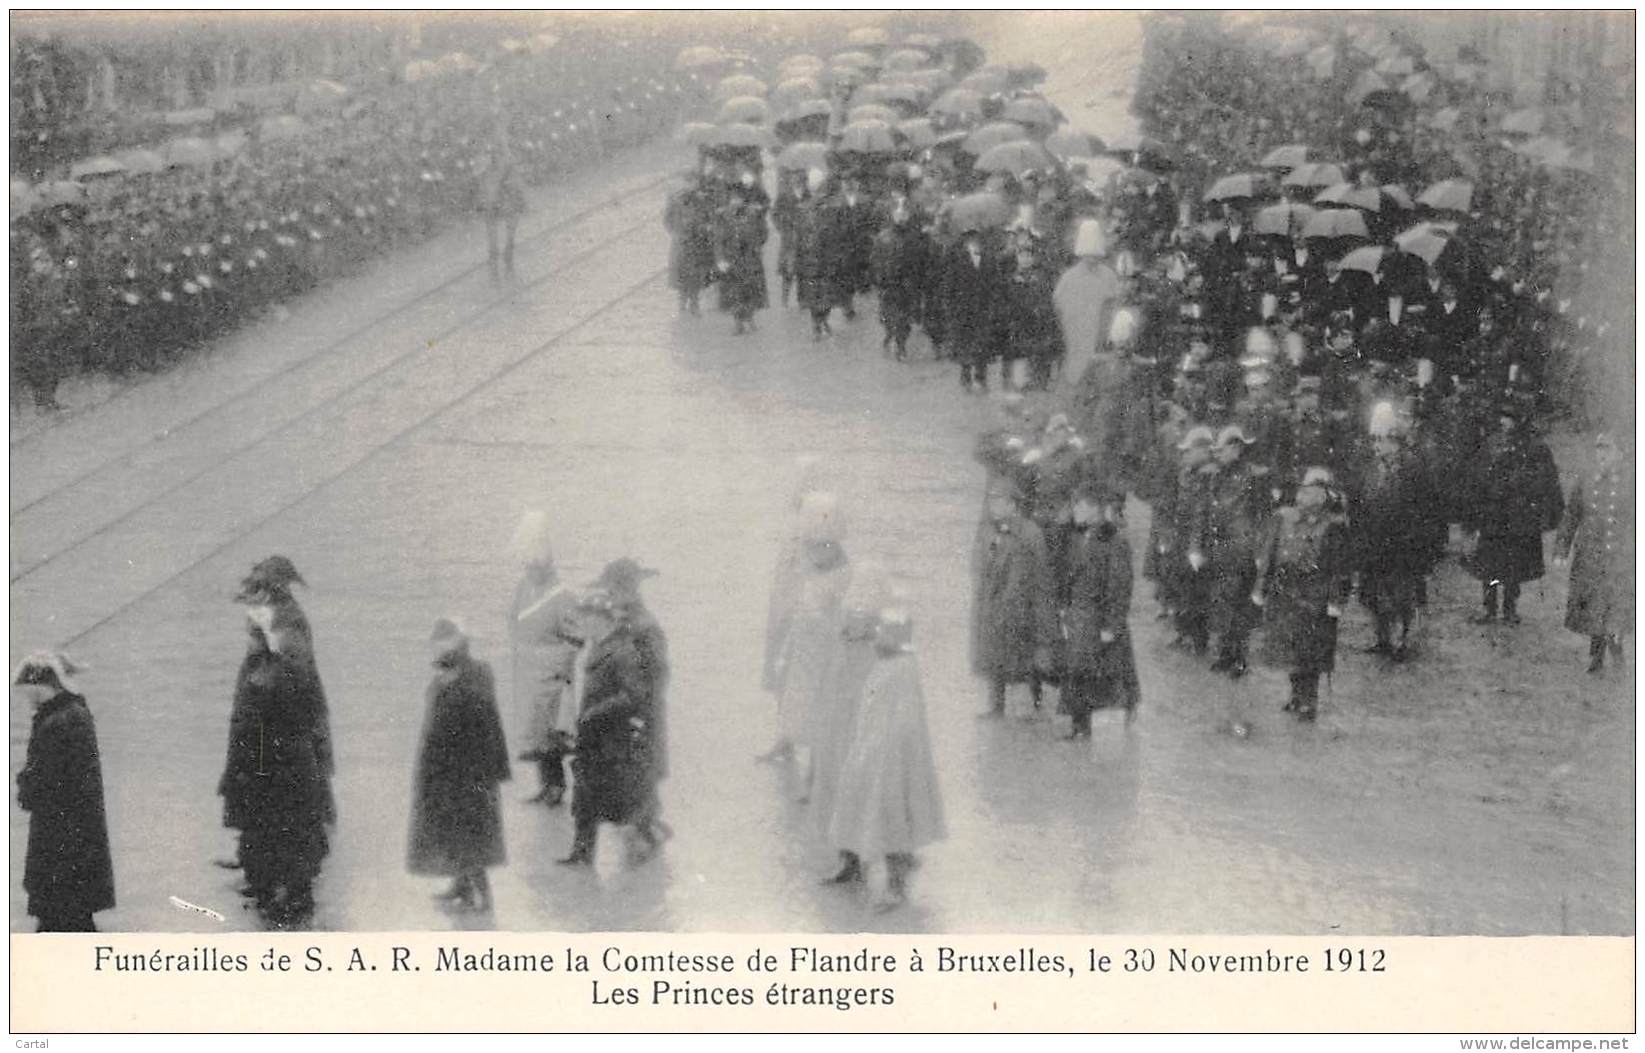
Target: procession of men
x=1241, y=379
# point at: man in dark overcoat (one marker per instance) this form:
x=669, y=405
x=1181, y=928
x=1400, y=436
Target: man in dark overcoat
x=739, y=244
x=68, y=873
x=974, y=273
x=1099, y=669
x=276, y=782
x=901, y=254
x=456, y=821
x=1236, y=504
x=1394, y=513
x=622, y=730
x=1514, y=498
x=1013, y=617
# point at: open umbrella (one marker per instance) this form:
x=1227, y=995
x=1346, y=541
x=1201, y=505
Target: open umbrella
x=700, y=56
x=60, y=192
x=930, y=81
x=907, y=59
x=1323, y=61
x=847, y=76
x=1367, y=83
x=1026, y=74
x=95, y=167
x=1397, y=64
x=1444, y=119
x=928, y=41
x=860, y=59
x=23, y=197
x=800, y=156
x=1528, y=121
x=872, y=112
x=1015, y=158
x=741, y=136
x=1098, y=170
x=991, y=135
x=868, y=37
x=1134, y=142
x=987, y=82
x=745, y=109
x=1367, y=259
x=1352, y=195
x=868, y=137
x=1288, y=156
x=918, y=133
x=282, y=127
x=808, y=120
x=739, y=85
x=698, y=133
x=1336, y=223
x=1419, y=86
x=807, y=108
x=1066, y=142
x=141, y=162
x=1317, y=174
x=961, y=103
x=190, y=151
x=1034, y=112
x=1239, y=187
x=978, y=212
x=800, y=66
x=1573, y=160
x=1428, y=241
x=909, y=98
x=1542, y=148
x=793, y=90
x=1286, y=219
x=1397, y=197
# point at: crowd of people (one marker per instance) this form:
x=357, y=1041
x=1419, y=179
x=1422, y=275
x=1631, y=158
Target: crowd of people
x=1308, y=400
x=131, y=268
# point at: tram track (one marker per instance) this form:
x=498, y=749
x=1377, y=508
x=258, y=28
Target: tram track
x=42, y=507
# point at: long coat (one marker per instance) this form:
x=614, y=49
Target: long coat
x=1085, y=298
x=1012, y=612
x=973, y=300
x=275, y=787
x=815, y=267
x=544, y=661
x=689, y=218
x=456, y=824
x=1394, y=534
x=901, y=254
x=1031, y=328
x=1514, y=498
x=888, y=799
x=302, y=676
x=68, y=870
x=836, y=715
x=1302, y=571
x=1099, y=600
x=810, y=640
x=739, y=243
x=622, y=732
x=1598, y=533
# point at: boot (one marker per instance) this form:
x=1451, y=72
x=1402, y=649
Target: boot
x=582, y=846
x=459, y=891
x=1489, y=614
x=480, y=885
x=1510, y=605
x=850, y=870
x=1596, y=654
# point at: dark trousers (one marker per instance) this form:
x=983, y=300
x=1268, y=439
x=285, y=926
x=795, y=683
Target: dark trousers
x=1305, y=691
x=1510, y=598
x=1083, y=694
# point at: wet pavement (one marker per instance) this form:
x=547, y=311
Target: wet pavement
x=387, y=435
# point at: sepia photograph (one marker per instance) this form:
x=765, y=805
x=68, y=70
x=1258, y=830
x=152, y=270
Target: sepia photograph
x=823, y=472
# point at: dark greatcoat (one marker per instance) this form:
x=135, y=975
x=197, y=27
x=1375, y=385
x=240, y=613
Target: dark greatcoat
x=1031, y=328
x=1099, y=599
x=1514, y=498
x=1235, y=505
x=297, y=645
x=814, y=267
x=622, y=740
x=274, y=786
x=68, y=872
x=690, y=221
x=973, y=301
x=901, y=253
x=1598, y=533
x=1303, y=569
x=456, y=824
x=1396, y=543
x=739, y=242
x=1012, y=613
